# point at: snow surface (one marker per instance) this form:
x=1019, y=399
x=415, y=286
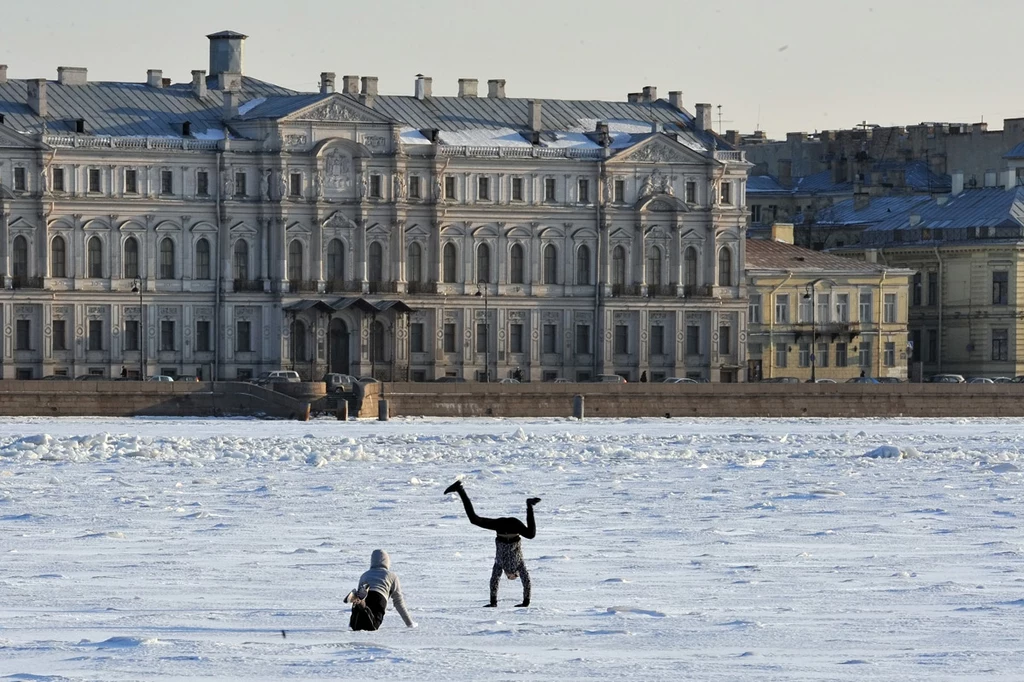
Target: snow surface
x=155, y=549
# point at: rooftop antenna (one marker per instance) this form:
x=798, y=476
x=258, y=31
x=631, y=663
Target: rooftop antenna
x=758, y=127
x=728, y=120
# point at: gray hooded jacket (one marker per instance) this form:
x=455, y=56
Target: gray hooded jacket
x=381, y=579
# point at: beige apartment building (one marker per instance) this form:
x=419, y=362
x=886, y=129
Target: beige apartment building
x=228, y=226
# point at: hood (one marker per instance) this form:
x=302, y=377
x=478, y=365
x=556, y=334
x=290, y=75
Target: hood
x=380, y=559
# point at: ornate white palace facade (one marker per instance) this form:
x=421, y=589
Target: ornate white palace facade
x=228, y=226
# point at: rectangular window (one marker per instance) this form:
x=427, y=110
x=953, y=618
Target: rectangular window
x=414, y=187
x=1000, y=288
x=483, y=189
x=804, y=355
x=583, y=339
x=202, y=184
x=243, y=335
x=58, y=179
x=549, y=189
x=583, y=191
x=866, y=304
x=166, y=182
x=842, y=308
x=131, y=335
x=933, y=288
x=240, y=189
x=95, y=334
x=821, y=355
x=726, y=192
x=131, y=181
x=916, y=289
x=693, y=339
x=20, y=185
x=295, y=184
x=375, y=186
x=804, y=310
x=889, y=309
x=755, y=309
x=449, y=337
x=449, y=187
x=1000, y=344
x=755, y=214
x=781, y=308
x=550, y=339
x=724, y=340
x=657, y=339
x=515, y=338
x=517, y=189
x=781, y=355
x=619, y=196
x=841, y=355
x=94, y=179
x=23, y=335
x=621, y=339
x=889, y=354
x=865, y=354
x=166, y=334
x=60, y=335
x=416, y=337
x=691, y=192
x=932, y=354
x=481, y=338
x=823, y=313
x=203, y=337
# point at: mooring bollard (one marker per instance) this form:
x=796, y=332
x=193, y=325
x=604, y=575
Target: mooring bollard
x=577, y=406
x=342, y=412
x=382, y=410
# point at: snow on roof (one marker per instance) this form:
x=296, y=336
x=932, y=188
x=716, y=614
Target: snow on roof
x=250, y=105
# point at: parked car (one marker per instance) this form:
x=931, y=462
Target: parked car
x=449, y=380
x=367, y=380
x=609, y=379
x=160, y=377
x=91, y=377
x=980, y=380
x=508, y=381
x=863, y=380
x=562, y=380
x=56, y=377
x=946, y=379
x=339, y=383
x=278, y=376
x=824, y=381
x=780, y=380
x=1002, y=380
x=680, y=380
x=889, y=380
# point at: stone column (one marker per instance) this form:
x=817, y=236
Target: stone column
x=5, y=244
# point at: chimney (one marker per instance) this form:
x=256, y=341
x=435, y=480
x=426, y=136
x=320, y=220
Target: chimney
x=496, y=88
x=675, y=98
x=785, y=172
x=958, y=182
x=650, y=93
x=369, y=92
x=199, y=84
x=3, y=74
x=861, y=200
x=37, y=96
x=604, y=138
x=424, y=86
x=733, y=137
x=72, y=75
x=702, y=119
x=535, y=115
x=350, y=85
x=226, y=53
x=990, y=178
x=155, y=78
x=467, y=87
x=327, y=82
x=633, y=97
x=1009, y=179
x=782, y=232
x=230, y=109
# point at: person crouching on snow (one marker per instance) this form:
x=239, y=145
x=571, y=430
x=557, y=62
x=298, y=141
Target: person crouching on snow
x=370, y=600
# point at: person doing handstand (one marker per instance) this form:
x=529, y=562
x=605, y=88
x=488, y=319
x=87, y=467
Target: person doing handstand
x=508, y=555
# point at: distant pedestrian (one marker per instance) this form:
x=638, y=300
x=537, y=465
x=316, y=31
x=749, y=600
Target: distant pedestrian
x=643, y=377
x=124, y=372
x=862, y=375
x=370, y=600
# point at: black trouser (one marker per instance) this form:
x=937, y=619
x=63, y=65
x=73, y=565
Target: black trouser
x=503, y=526
x=368, y=614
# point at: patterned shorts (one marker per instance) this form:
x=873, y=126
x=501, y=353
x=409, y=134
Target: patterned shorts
x=508, y=556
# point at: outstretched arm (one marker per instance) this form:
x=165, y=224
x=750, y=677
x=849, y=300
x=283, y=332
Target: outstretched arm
x=399, y=600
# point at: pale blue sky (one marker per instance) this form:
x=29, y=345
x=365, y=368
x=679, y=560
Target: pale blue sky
x=786, y=64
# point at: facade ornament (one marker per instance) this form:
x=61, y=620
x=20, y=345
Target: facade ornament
x=228, y=183
x=399, y=185
x=332, y=111
x=608, y=191
x=364, y=185
x=437, y=187
x=666, y=186
x=282, y=185
x=649, y=187
x=265, y=185
x=318, y=184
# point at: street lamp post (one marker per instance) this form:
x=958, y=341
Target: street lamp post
x=137, y=286
x=481, y=290
x=810, y=293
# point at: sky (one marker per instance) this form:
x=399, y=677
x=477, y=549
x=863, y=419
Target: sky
x=777, y=66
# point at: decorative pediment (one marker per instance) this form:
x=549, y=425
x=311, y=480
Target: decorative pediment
x=620, y=234
x=9, y=139
x=242, y=228
x=338, y=220
x=337, y=109
x=417, y=230
x=203, y=227
x=659, y=149
x=297, y=228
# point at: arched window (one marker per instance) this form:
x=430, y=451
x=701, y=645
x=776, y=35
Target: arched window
x=167, y=258
x=95, y=253
x=203, y=259
x=690, y=267
x=298, y=340
x=725, y=267
x=58, y=257
x=19, y=258
x=415, y=265
x=450, y=261
x=516, y=263
x=654, y=267
x=619, y=266
x=295, y=261
x=335, y=261
x=483, y=263
x=242, y=259
x=378, y=342
x=583, y=265
x=376, y=264
x=131, y=258
x=550, y=264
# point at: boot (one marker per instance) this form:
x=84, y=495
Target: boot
x=454, y=487
x=532, y=501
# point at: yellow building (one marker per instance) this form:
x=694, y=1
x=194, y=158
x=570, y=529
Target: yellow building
x=816, y=315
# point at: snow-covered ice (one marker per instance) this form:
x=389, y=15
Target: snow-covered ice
x=711, y=549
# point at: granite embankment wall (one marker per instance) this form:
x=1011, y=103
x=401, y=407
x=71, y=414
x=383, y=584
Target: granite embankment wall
x=148, y=398
x=700, y=400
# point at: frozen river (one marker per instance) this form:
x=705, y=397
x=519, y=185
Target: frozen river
x=713, y=549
